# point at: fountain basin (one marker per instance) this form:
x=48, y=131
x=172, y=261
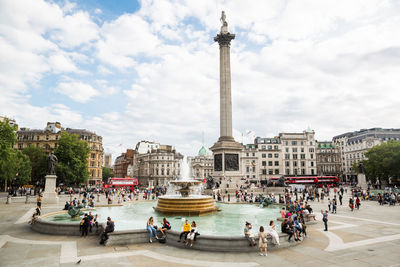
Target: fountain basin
x=188, y=206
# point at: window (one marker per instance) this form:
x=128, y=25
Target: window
x=247, y=154
x=312, y=171
x=294, y=143
x=294, y=163
x=276, y=163
x=312, y=156
x=264, y=171
x=287, y=171
x=276, y=171
x=302, y=149
x=287, y=149
x=294, y=156
x=254, y=154
x=247, y=169
x=275, y=147
x=302, y=156
x=167, y=172
x=269, y=147
x=264, y=163
x=312, y=163
x=269, y=163
x=47, y=137
x=264, y=155
x=303, y=171
x=303, y=164
x=270, y=156
x=302, y=143
x=263, y=147
x=287, y=163
x=276, y=155
x=286, y=143
x=311, y=143
x=295, y=171
x=294, y=150
x=287, y=156
x=270, y=172
x=311, y=150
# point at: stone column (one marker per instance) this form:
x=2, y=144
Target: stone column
x=224, y=39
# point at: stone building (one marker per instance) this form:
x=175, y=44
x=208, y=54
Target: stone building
x=328, y=159
x=107, y=160
x=298, y=151
x=250, y=162
x=202, y=165
x=354, y=145
x=122, y=162
x=157, y=166
x=270, y=157
x=48, y=138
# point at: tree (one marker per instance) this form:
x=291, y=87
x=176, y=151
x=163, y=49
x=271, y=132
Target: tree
x=107, y=173
x=383, y=161
x=72, y=154
x=38, y=159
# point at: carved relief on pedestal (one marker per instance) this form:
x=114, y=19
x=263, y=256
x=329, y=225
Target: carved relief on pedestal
x=231, y=162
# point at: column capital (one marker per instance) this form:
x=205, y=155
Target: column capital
x=224, y=39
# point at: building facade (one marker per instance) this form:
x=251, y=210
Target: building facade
x=157, y=166
x=202, y=165
x=107, y=160
x=122, y=162
x=354, y=145
x=48, y=138
x=298, y=151
x=328, y=159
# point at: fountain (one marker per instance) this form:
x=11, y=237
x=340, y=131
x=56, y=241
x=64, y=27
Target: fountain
x=186, y=203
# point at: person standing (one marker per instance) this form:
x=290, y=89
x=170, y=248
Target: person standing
x=262, y=241
x=334, y=204
x=85, y=225
x=351, y=204
x=340, y=198
x=329, y=204
x=358, y=203
x=325, y=219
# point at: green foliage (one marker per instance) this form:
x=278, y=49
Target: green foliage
x=38, y=159
x=14, y=166
x=383, y=161
x=354, y=167
x=107, y=173
x=72, y=154
x=7, y=134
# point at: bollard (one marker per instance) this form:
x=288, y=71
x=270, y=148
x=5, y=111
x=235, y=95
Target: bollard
x=8, y=199
x=26, y=199
x=229, y=198
x=98, y=197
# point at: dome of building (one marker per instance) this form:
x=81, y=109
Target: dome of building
x=202, y=151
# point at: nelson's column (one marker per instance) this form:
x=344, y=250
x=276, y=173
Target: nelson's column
x=226, y=150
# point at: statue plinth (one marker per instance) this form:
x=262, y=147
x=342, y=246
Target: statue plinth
x=49, y=194
x=361, y=180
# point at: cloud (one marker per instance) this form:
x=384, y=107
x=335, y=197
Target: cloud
x=77, y=91
x=331, y=65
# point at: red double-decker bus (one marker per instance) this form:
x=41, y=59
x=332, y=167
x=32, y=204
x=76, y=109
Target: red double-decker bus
x=316, y=180
x=122, y=182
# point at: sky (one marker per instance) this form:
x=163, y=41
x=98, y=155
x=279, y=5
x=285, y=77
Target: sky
x=149, y=70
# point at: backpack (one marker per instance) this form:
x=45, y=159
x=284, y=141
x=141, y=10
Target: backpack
x=162, y=239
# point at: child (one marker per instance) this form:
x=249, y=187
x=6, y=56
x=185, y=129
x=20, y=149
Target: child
x=190, y=237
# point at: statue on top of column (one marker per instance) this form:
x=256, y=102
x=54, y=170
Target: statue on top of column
x=224, y=28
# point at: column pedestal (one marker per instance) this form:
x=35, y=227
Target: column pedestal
x=49, y=194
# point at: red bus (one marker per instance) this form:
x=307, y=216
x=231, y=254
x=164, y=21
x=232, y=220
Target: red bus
x=122, y=182
x=316, y=180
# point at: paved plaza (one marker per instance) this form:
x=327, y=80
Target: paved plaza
x=366, y=237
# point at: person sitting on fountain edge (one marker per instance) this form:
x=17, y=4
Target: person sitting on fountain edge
x=247, y=234
x=185, y=232
x=109, y=229
x=165, y=226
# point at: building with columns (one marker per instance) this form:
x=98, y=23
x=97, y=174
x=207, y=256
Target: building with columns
x=157, y=166
x=48, y=138
x=328, y=159
x=202, y=165
x=354, y=145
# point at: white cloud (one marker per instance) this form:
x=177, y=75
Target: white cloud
x=78, y=91
x=332, y=65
